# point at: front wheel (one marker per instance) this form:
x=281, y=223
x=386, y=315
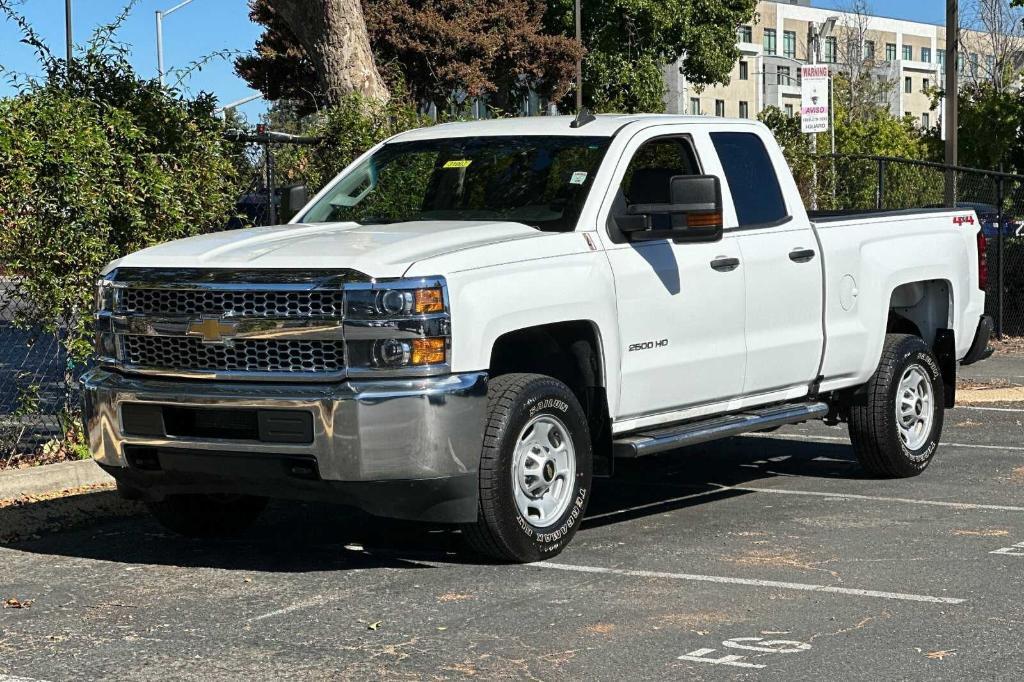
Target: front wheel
x=895, y=431
x=535, y=469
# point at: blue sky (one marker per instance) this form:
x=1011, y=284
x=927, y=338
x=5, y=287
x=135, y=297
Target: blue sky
x=206, y=26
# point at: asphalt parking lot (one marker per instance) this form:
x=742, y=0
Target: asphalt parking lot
x=761, y=557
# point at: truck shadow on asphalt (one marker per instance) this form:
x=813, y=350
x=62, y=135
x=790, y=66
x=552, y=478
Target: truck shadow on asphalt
x=304, y=537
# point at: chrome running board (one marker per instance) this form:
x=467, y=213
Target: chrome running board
x=653, y=441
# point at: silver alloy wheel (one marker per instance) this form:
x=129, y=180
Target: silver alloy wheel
x=543, y=470
x=915, y=407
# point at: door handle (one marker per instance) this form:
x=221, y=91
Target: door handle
x=725, y=264
x=801, y=255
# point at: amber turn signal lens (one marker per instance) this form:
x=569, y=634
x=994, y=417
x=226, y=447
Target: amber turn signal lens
x=703, y=219
x=427, y=352
x=428, y=301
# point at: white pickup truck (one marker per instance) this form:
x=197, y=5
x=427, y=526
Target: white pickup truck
x=474, y=319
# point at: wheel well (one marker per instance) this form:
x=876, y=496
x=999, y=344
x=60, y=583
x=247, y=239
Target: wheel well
x=920, y=308
x=570, y=352
x=924, y=309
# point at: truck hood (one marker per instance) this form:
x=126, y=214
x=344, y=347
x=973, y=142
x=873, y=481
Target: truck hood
x=376, y=250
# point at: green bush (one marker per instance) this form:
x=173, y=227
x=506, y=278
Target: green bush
x=345, y=132
x=96, y=163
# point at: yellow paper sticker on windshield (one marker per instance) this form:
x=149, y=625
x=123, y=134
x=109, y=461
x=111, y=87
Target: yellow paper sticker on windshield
x=458, y=163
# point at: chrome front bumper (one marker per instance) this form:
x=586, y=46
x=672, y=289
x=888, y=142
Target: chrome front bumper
x=399, y=431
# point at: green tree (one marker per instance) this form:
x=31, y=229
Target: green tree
x=437, y=51
x=628, y=42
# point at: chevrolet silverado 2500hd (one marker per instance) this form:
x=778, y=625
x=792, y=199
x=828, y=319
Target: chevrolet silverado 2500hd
x=474, y=319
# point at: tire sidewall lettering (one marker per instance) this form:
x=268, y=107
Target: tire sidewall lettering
x=549, y=540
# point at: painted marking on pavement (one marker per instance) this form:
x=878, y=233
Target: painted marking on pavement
x=725, y=580
x=989, y=409
x=873, y=498
x=1012, y=550
x=15, y=678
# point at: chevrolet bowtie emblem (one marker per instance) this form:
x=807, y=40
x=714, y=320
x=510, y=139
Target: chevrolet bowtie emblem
x=212, y=330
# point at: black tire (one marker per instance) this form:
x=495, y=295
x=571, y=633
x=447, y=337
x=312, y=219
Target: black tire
x=502, y=532
x=207, y=516
x=874, y=428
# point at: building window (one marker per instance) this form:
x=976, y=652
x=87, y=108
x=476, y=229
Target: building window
x=941, y=57
x=925, y=84
x=869, y=50
x=783, y=75
x=925, y=121
x=890, y=52
x=974, y=65
x=789, y=110
x=908, y=53
x=789, y=44
x=926, y=55
x=744, y=110
x=769, y=41
x=908, y=85
x=719, y=107
x=744, y=71
x=830, y=50
x=695, y=106
x=744, y=34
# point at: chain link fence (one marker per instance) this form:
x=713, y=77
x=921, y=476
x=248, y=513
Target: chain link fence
x=38, y=382
x=859, y=183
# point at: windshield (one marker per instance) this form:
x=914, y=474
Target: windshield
x=539, y=181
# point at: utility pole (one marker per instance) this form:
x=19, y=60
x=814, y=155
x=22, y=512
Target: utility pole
x=67, y=29
x=579, y=59
x=952, y=96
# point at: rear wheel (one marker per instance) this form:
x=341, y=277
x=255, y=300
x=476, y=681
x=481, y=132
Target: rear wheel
x=207, y=516
x=896, y=431
x=535, y=469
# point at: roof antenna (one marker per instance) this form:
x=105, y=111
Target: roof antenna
x=582, y=118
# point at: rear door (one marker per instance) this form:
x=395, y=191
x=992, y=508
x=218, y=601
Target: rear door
x=782, y=263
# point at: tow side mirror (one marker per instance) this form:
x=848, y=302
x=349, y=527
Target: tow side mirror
x=694, y=214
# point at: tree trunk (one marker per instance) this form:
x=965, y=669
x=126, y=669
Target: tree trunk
x=333, y=35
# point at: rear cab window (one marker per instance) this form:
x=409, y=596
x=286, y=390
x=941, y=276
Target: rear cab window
x=753, y=183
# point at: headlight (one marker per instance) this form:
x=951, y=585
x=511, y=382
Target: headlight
x=397, y=325
x=393, y=302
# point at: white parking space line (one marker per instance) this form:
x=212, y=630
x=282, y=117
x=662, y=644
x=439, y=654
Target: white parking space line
x=989, y=409
x=873, y=498
x=15, y=678
x=774, y=584
x=844, y=439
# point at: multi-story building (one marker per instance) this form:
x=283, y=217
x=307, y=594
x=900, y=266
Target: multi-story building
x=906, y=59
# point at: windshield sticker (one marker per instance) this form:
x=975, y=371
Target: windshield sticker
x=578, y=178
x=458, y=163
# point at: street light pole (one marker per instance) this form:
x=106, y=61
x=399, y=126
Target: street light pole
x=952, y=95
x=579, y=59
x=160, y=37
x=67, y=29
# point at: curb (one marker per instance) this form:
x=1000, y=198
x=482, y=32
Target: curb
x=51, y=478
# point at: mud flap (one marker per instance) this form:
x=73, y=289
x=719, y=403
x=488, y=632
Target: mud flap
x=945, y=353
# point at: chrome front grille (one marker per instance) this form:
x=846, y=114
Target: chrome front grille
x=259, y=304
x=257, y=325
x=248, y=355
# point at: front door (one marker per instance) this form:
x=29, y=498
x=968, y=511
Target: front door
x=680, y=306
